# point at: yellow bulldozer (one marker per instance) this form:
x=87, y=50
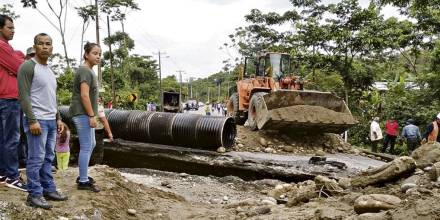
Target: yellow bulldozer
x=270, y=97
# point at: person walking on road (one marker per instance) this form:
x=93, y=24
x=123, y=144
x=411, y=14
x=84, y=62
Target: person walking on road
x=432, y=131
x=375, y=133
x=391, y=131
x=411, y=134
x=37, y=88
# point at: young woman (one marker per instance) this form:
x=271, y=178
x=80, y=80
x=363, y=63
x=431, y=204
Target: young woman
x=83, y=109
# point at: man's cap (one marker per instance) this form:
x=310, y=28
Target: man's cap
x=30, y=50
x=438, y=116
x=410, y=121
x=376, y=118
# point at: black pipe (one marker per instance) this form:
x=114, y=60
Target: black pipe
x=187, y=130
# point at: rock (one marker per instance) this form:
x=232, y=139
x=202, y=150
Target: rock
x=320, y=153
x=375, y=203
x=409, y=183
x=434, y=173
x=426, y=154
x=221, y=149
x=263, y=142
x=131, y=211
x=215, y=201
x=269, y=201
x=412, y=191
x=263, y=210
x=245, y=202
x=225, y=198
x=419, y=172
x=288, y=148
x=165, y=183
x=356, y=151
x=62, y=218
x=301, y=192
x=240, y=209
x=330, y=186
x=268, y=150
x=345, y=183
x=397, y=168
x=374, y=216
x=240, y=145
x=183, y=174
x=96, y=215
x=327, y=213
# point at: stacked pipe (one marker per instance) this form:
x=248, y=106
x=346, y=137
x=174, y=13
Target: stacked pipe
x=187, y=130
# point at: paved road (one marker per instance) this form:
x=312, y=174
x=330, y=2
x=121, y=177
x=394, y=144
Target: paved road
x=201, y=111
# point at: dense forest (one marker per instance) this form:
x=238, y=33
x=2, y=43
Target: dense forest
x=340, y=47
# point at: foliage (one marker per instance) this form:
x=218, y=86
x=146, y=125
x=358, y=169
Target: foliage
x=6, y=9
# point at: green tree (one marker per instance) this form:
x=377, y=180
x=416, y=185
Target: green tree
x=7, y=9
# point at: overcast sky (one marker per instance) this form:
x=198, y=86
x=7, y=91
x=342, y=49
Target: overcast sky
x=190, y=32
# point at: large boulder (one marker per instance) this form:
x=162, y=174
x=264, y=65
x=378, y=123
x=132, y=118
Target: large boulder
x=330, y=186
x=410, y=182
x=434, y=173
x=301, y=192
x=427, y=154
x=374, y=216
x=375, y=203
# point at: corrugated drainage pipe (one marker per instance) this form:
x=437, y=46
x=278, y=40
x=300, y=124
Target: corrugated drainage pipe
x=187, y=130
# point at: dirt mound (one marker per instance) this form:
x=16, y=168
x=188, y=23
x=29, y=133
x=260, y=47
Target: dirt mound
x=315, y=114
x=117, y=196
x=280, y=143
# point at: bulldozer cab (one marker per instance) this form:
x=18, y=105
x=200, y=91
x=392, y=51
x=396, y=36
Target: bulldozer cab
x=275, y=65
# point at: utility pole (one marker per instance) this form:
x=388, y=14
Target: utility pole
x=111, y=63
x=97, y=41
x=191, y=86
x=218, y=97
x=208, y=94
x=160, y=79
x=180, y=84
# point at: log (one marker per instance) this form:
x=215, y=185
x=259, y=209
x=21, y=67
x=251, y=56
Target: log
x=391, y=171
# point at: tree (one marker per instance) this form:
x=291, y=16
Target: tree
x=61, y=19
x=6, y=9
x=87, y=13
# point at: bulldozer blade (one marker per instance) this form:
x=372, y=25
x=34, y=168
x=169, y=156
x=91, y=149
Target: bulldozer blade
x=302, y=111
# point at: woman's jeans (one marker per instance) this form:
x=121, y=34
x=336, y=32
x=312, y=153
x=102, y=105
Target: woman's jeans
x=87, y=142
x=40, y=156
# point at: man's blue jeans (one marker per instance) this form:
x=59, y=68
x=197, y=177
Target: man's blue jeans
x=40, y=156
x=9, y=137
x=87, y=143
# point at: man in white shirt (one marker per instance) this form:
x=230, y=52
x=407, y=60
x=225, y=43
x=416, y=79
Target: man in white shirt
x=375, y=134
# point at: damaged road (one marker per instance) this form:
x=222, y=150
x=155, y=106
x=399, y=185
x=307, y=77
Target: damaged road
x=246, y=165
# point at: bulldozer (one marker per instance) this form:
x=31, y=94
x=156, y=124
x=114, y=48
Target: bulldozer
x=270, y=97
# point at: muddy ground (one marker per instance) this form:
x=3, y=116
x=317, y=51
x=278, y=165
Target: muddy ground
x=150, y=194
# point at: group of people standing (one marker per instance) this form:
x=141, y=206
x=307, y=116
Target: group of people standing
x=28, y=88
x=410, y=133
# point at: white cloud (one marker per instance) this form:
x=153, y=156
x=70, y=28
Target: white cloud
x=190, y=31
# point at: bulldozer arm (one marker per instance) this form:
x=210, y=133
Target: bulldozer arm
x=300, y=111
